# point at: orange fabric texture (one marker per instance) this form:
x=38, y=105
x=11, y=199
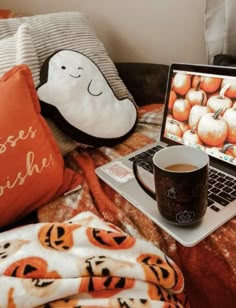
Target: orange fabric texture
x=32, y=168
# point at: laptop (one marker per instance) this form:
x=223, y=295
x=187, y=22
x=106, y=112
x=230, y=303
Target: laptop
x=216, y=135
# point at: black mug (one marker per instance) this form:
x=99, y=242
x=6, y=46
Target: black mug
x=181, y=183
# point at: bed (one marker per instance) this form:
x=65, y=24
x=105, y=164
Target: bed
x=41, y=262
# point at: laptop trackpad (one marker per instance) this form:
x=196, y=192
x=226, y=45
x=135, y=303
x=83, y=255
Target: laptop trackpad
x=140, y=196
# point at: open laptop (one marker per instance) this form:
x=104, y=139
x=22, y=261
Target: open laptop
x=218, y=143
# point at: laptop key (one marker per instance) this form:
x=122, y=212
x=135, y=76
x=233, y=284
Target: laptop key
x=226, y=196
x=218, y=199
x=233, y=193
x=210, y=202
x=215, y=190
x=212, y=181
x=215, y=208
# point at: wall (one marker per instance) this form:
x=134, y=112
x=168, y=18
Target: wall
x=153, y=31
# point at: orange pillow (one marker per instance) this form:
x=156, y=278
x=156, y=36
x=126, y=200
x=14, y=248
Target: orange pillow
x=31, y=167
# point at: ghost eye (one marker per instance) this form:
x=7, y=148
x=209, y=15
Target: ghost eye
x=63, y=67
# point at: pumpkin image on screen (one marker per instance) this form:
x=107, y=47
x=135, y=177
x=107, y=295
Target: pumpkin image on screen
x=181, y=109
x=191, y=137
x=208, y=84
x=213, y=129
x=109, y=240
x=57, y=236
x=215, y=102
x=196, y=96
x=197, y=111
x=230, y=117
x=229, y=149
x=172, y=99
x=231, y=90
x=173, y=127
x=181, y=83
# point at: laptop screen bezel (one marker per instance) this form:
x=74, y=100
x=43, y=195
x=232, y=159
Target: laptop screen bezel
x=195, y=68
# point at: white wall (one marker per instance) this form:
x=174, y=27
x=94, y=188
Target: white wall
x=154, y=31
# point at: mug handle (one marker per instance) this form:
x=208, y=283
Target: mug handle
x=138, y=177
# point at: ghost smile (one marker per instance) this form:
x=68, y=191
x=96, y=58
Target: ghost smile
x=75, y=76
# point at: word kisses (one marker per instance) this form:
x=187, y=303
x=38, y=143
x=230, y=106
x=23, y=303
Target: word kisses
x=31, y=165
x=11, y=141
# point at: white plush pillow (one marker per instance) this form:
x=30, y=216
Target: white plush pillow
x=19, y=49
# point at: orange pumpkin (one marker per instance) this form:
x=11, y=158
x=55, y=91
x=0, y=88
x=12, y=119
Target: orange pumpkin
x=181, y=109
x=216, y=102
x=109, y=239
x=58, y=236
x=161, y=272
x=172, y=99
x=229, y=149
x=196, y=96
x=231, y=90
x=31, y=267
x=191, y=137
x=212, y=129
x=181, y=83
x=208, y=84
x=195, y=115
x=173, y=128
x=230, y=117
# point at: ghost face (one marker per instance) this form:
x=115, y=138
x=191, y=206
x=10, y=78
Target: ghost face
x=8, y=248
x=73, y=69
x=82, y=96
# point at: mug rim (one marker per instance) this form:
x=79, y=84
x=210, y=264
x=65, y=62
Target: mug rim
x=161, y=154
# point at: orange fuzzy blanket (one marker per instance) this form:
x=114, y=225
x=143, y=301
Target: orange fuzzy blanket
x=209, y=267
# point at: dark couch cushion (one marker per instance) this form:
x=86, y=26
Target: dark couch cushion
x=145, y=81
x=224, y=60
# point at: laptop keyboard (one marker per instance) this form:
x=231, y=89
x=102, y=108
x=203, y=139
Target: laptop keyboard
x=221, y=187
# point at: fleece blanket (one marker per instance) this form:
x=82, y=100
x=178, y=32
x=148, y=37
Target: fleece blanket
x=209, y=267
x=85, y=262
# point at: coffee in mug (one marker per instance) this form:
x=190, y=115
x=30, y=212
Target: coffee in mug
x=181, y=183
x=181, y=167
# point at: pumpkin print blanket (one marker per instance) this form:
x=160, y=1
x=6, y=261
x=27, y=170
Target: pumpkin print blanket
x=85, y=262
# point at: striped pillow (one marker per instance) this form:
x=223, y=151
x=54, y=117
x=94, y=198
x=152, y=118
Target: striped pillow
x=67, y=30
x=19, y=49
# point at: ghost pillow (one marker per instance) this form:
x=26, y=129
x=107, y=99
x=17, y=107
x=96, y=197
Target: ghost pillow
x=74, y=93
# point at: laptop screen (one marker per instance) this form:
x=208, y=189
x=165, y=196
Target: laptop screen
x=200, y=109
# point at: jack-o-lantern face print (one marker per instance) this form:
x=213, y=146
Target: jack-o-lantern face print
x=8, y=248
x=42, y=282
x=57, y=236
x=104, y=287
x=109, y=240
x=31, y=267
x=160, y=271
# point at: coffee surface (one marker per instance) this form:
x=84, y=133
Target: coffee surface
x=181, y=167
